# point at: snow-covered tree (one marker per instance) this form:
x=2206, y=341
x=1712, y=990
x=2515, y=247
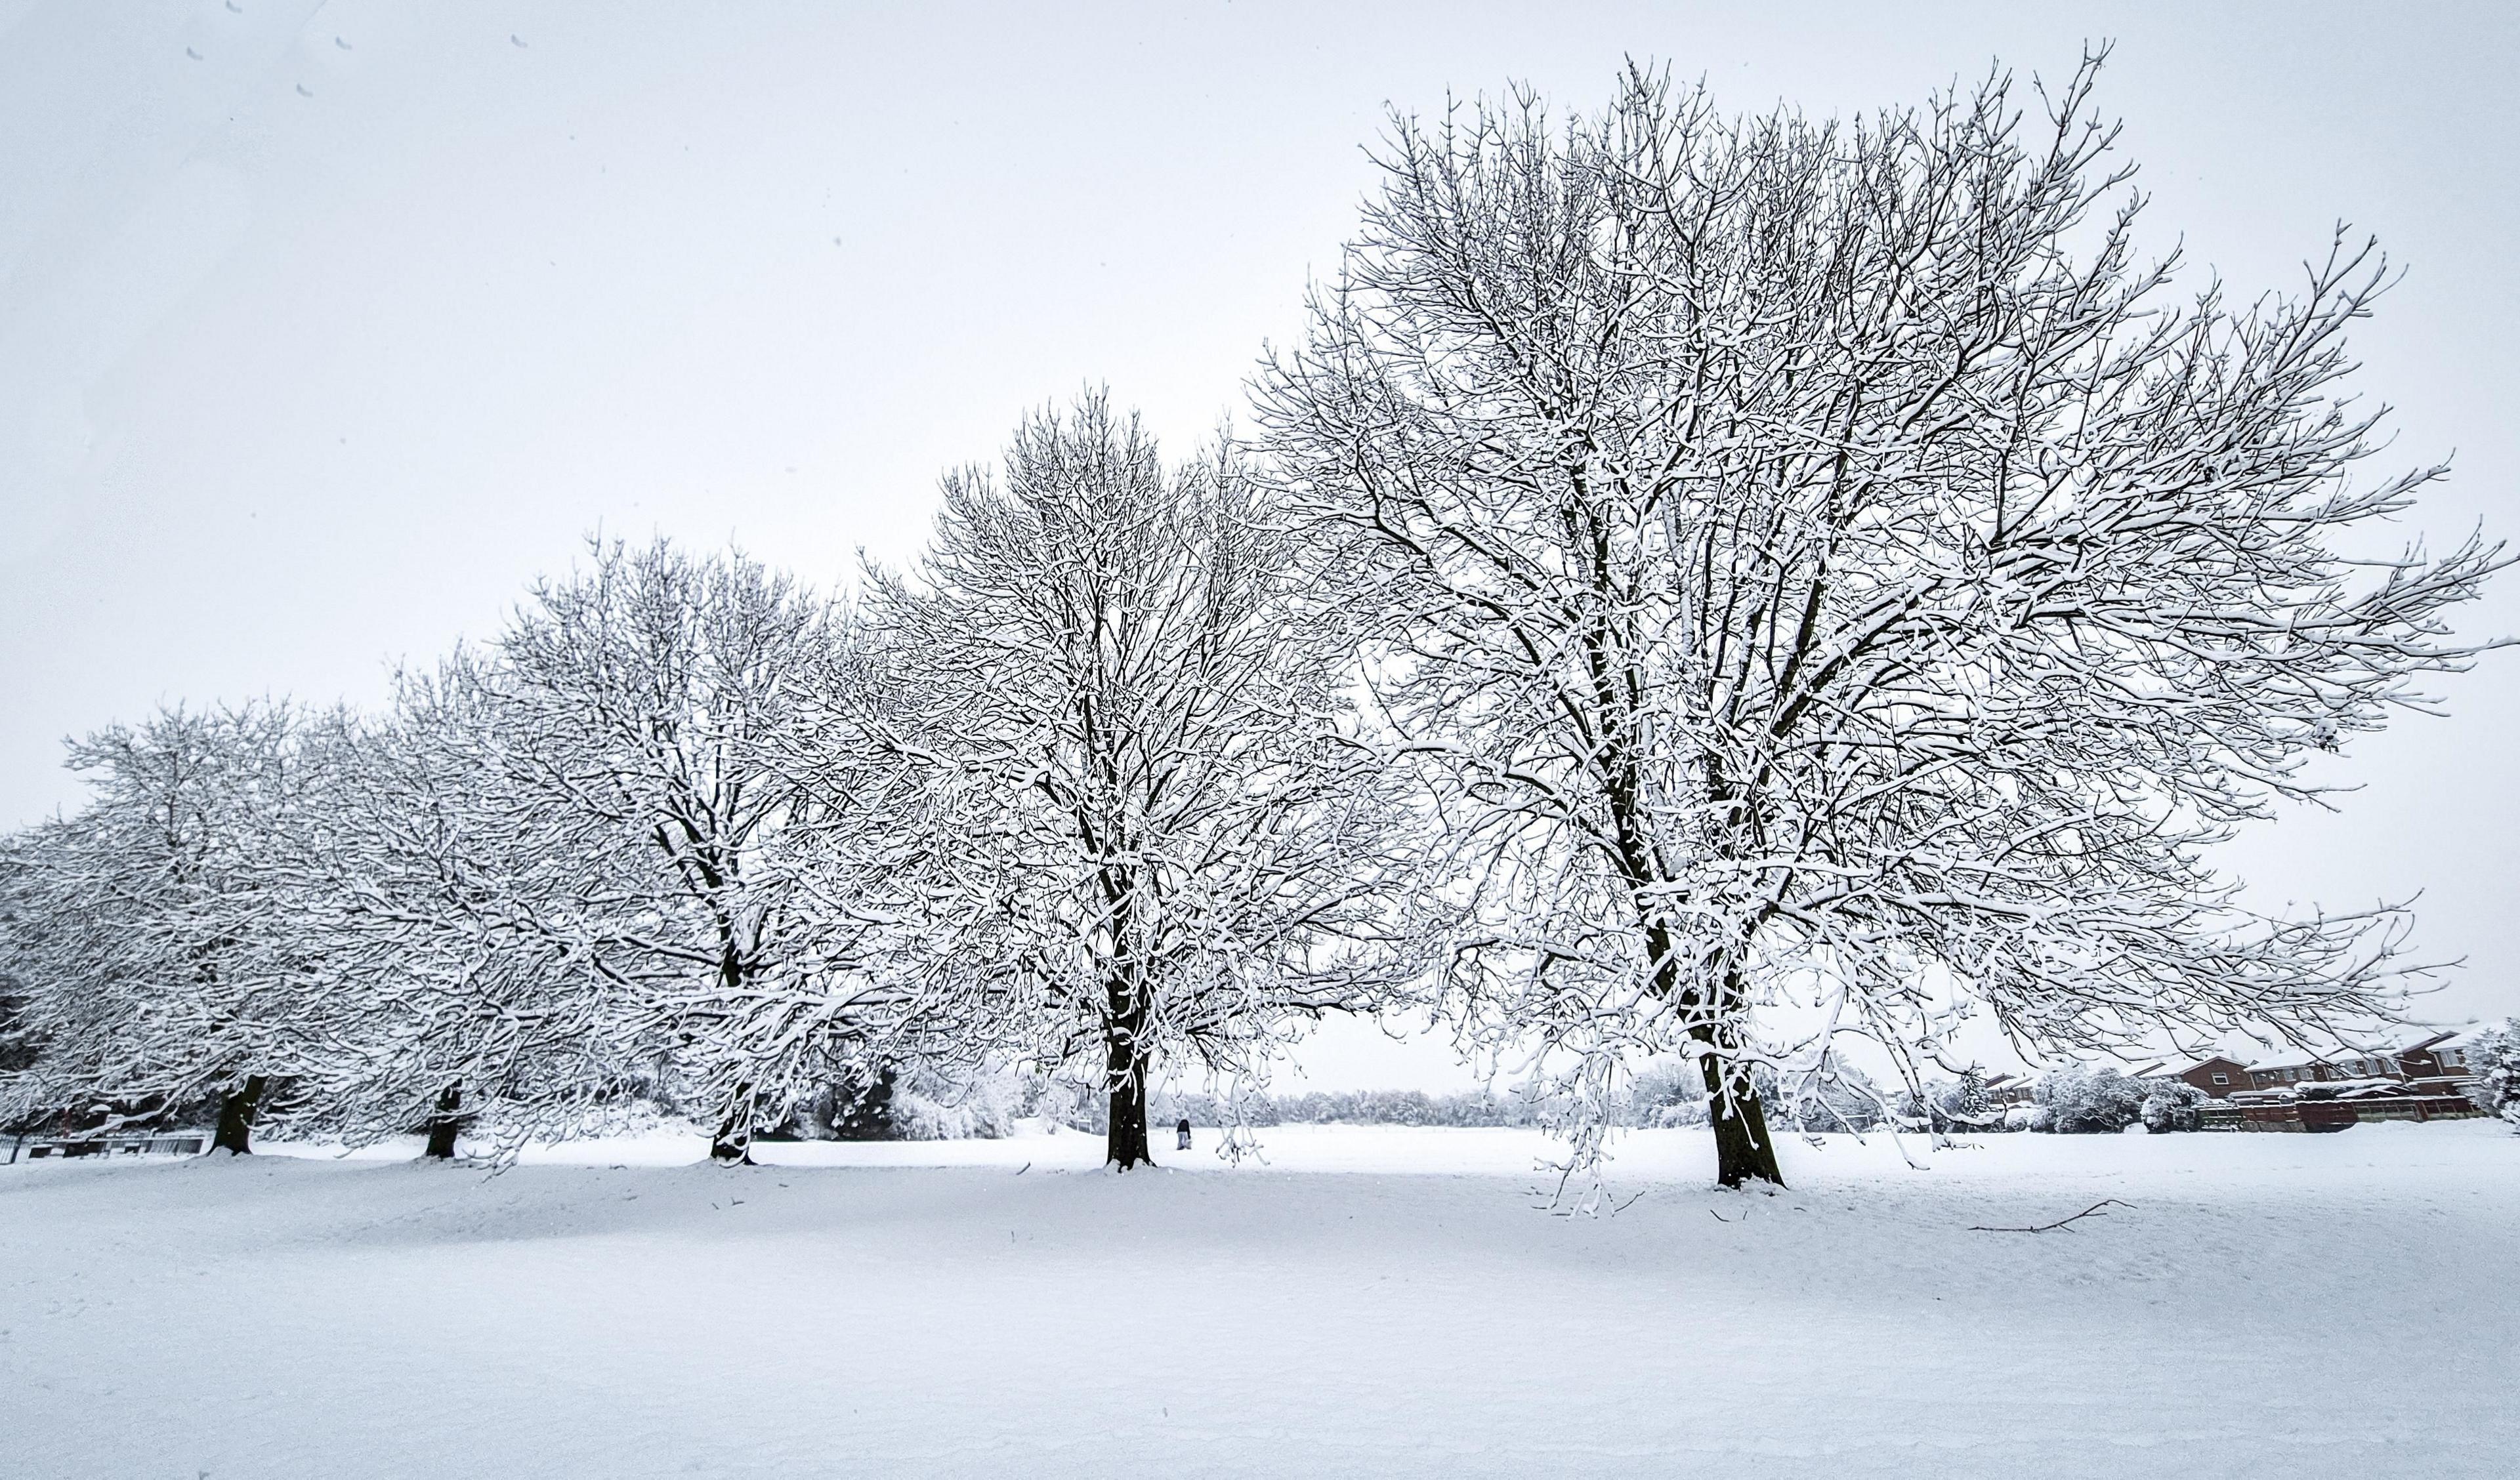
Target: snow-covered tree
x=2494, y=1060
x=742, y=855
x=1164, y=836
x=1969, y=1097
x=141, y=927
x=447, y=911
x=629, y=844
x=1829, y=564
x=2083, y=1101
x=2171, y=1105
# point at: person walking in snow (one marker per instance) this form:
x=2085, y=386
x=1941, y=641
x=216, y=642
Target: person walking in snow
x=1181, y=1135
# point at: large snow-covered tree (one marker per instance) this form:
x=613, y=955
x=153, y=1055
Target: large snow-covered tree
x=1831, y=563
x=142, y=927
x=668, y=719
x=1164, y=838
x=444, y=911
x=628, y=842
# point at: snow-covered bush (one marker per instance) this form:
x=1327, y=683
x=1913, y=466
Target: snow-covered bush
x=1693, y=1112
x=1667, y=1092
x=984, y=1112
x=2029, y=1117
x=2172, y=1104
x=2090, y=1101
x=917, y=1103
x=848, y=1110
x=1835, y=1096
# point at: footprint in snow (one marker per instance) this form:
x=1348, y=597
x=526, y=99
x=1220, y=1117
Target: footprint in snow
x=189, y=51
x=238, y=8
x=344, y=45
x=302, y=92
x=514, y=38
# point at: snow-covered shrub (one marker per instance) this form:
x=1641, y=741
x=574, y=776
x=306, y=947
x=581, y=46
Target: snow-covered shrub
x=918, y=1103
x=2084, y=1102
x=2172, y=1104
x=1080, y=1107
x=1661, y=1091
x=983, y=1104
x=1835, y=1096
x=850, y=1110
x=2029, y=1117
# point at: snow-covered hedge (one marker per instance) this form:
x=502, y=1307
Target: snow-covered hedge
x=1397, y=1107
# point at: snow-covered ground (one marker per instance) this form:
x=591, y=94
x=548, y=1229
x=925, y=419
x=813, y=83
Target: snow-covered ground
x=1371, y=1302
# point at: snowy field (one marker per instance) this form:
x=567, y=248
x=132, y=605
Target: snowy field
x=1373, y=1302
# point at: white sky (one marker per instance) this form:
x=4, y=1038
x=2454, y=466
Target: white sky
x=314, y=349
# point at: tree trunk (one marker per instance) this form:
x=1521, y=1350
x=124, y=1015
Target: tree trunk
x=1125, y=1145
x=236, y=1111
x=1744, y=1148
x=443, y=1125
x=732, y=1145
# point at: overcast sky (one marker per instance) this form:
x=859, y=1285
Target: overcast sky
x=325, y=327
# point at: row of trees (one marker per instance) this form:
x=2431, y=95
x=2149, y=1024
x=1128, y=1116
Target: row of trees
x=1699, y=586
x=1073, y=791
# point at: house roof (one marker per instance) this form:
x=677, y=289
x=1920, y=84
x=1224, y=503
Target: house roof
x=2191, y=1065
x=2467, y=1036
x=2412, y=1041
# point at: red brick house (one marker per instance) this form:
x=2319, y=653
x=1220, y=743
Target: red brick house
x=2412, y=1058
x=2214, y=1074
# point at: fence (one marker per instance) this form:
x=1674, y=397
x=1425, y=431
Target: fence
x=160, y=1143
x=2317, y=1115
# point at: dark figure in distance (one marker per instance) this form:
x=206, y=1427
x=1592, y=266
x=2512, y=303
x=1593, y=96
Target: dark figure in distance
x=1181, y=1135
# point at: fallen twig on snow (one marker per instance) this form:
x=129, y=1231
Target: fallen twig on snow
x=2094, y=1210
